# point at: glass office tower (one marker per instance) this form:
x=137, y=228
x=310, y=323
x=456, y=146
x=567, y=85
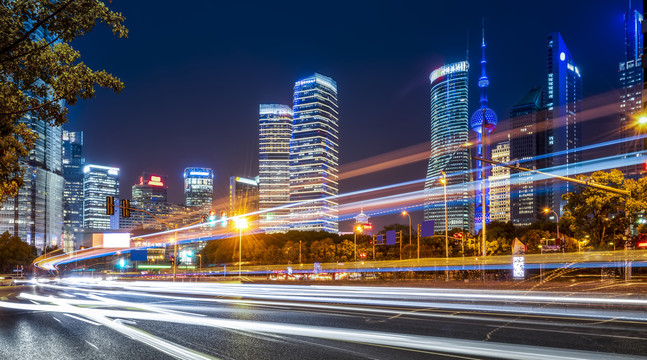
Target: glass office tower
x=73, y=175
x=564, y=103
x=275, y=131
x=449, y=133
x=630, y=74
x=100, y=182
x=314, y=155
x=198, y=187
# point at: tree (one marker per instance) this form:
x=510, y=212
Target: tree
x=589, y=211
x=41, y=74
x=14, y=252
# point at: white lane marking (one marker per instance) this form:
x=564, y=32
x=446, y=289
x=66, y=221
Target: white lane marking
x=35, y=302
x=91, y=344
x=57, y=320
x=67, y=295
x=82, y=319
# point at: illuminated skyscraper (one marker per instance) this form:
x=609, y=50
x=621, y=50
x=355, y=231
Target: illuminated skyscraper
x=36, y=213
x=483, y=122
x=100, y=182
x=198, y=187
x=314, y=155
x=449, y=134
x=630, y=74
x=73, y=175
x=150, y=189
x=275, y=131
x=564, y=131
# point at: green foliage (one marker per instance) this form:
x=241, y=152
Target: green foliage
x=41, y=77
x=13, y=252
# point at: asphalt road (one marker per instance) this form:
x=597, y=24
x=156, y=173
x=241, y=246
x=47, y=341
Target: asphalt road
x=158, y=320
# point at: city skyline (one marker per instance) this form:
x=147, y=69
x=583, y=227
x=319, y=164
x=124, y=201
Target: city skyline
x=401, y=98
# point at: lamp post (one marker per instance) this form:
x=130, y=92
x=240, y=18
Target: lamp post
x=174, y=240
x=240, y=223
x=444, y=182
x=547, y=210
x=358, y=229
x=200, y=267
x=407, y=214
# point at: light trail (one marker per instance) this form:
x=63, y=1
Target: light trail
x=114, y=314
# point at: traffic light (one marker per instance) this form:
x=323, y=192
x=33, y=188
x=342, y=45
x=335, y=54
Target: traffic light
x=110, y=205
x=125, y=208
x=212, y=216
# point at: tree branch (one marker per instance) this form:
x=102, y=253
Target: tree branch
x=30, y=51
x=31, y=109
x=36, y=26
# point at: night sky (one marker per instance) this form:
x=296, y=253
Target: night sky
x=196, y=71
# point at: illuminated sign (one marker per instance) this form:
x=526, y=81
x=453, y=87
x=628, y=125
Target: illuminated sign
x=246, y=181
x=518, y=267
x=155, y=181
x=111, y=240
x=562, y=56
x=642, y=244
x=199, y=173
x=448, y=69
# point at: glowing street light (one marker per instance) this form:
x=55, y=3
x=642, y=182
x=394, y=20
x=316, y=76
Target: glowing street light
x=642, y=120
x=240, y=223
x=405, y=213
x=547, y=210
x=358, y=229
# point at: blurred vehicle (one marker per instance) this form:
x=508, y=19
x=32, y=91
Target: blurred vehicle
x=6, y=280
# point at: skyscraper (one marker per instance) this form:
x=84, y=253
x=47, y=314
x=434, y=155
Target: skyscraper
x=630, y=74
x=198, y=187
x=564, y=103
x=73, y=175
x=483, y=122
x=314, y=155
x=99, y=182
x=449, y=134
x=243, y=198
x=275, y=131
x=528, y=140
x=150, y=189
x=36, y=213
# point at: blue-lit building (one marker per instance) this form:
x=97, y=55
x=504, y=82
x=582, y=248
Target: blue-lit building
x=631, y=79
x=449, y=134
x=73, y=175
x=198, y=187
x=314, y=155
x=275, y=131
x=100, y=182
x=564, y=129
x=483, y=122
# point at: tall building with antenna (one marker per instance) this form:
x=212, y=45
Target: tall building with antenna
x=483, y=122
x=449, y=155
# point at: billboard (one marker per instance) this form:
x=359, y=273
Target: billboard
x=111, y=240
x=390, y=237
x=427, y=228
x=139, y=255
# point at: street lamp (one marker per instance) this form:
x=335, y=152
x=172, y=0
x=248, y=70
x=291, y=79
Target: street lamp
x=547, y=210
x=240, y=223
x=444, y=182
x=174, y=240
x=200, y=268
x=407, y=214
x=358, y=229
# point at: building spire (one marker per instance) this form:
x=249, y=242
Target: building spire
x=483, y=80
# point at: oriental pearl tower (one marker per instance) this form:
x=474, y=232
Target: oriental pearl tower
x=483, y=122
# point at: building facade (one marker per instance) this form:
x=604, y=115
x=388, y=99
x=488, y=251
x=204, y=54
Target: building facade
x=564, y=104
x=500, y=183
x=151, y=188
x=73, y=176
x=198, y=187
x=449, y=134
x=100, y=182
x=630, y=73
x=275, y=131
x=314, y=155
x=528, y=147
x=243, y=198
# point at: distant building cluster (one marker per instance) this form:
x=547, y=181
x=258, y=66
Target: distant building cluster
x=545, y=132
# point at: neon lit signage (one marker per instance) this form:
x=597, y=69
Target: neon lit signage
x=155, y=181
x=449, y=69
